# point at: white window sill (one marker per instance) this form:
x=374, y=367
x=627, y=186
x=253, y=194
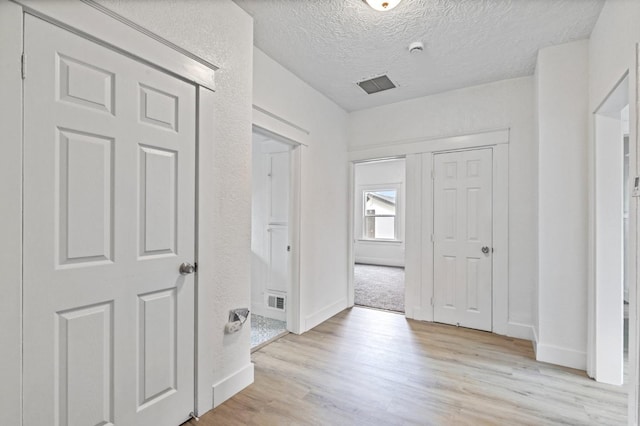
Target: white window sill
x=363, y=240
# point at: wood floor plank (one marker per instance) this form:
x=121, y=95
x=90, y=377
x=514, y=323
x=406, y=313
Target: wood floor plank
x=369, y=367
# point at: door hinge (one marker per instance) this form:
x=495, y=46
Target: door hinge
x=431, y=301
x=23, y=66
x=636, y=187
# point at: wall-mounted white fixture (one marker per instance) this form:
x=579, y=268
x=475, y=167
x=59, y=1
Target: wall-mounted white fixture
x=237, y=317
x=382, y=5
x=416, y=47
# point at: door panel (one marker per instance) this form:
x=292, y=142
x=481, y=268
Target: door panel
x=278, y=258
x=85, y=365
x=85, y=168
x=157, y=342
x=278, y=218
x=109, y=202
x=158, y=203
x=462, y=227
x=279, y=188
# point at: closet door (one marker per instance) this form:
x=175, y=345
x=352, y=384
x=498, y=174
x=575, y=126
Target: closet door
x=109, y=203
x=463, y=238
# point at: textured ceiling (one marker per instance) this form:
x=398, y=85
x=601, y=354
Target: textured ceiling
x=332, y=44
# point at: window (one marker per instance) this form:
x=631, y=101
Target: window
x=379, y=215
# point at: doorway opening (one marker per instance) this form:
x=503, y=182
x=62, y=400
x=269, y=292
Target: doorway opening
x=271, y=277
x=612, y=195
x=379, y=243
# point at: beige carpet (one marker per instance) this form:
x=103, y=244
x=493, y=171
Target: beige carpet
x=379, y=287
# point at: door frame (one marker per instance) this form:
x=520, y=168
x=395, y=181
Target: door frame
x=353, y=195
x=419, y=221
x=604, y=363
x=500, y=323
x=633, y=75
x=98, y=24
x=293, y=285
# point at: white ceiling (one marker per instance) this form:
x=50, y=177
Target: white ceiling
x=332, y=44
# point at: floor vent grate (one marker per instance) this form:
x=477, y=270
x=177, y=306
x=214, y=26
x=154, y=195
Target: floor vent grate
x=276, y=302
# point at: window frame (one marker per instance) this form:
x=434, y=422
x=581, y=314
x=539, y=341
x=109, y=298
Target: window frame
x=363, y=212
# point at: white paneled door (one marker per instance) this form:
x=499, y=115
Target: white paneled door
x=278, y=222
x=109, y=196
x=463, y=238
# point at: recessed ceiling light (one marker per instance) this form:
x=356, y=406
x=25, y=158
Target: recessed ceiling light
x=382, y=5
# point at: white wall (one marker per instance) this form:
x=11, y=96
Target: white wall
x=562, y=196
x=501, y=105
x=611, y=54
x=380, y=173
x=221, y=33
x=297, y=109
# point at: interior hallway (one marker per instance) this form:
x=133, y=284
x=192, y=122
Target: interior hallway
x=376, y=368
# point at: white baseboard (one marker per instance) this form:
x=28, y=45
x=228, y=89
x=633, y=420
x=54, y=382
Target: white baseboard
x=420, y=314
x=324, y=314
x=231, y=385
x=561, y=356
x=535, y=341
x=380, y=261
x=520, y=331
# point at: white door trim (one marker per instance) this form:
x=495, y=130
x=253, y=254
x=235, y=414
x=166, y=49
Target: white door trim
x=85, y=20
x=605, y=309
x=91, y=20
x=634, y=240
x=419, y=221
x=11, y=212
x=266, y=128
x=421, y=145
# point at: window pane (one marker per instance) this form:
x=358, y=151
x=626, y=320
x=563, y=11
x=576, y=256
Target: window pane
x=379, y=228
x=385, y=228
x=380, y=203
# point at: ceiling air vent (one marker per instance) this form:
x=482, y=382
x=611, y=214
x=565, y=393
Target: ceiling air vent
x=376, y=84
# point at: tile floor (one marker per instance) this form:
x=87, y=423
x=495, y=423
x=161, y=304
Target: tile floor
x=264, y=329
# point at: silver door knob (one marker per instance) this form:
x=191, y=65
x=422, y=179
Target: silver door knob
x=187, y=268
x=485, y=250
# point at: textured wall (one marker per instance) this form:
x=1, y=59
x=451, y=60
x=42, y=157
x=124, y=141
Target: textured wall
x=220, y=32
x=500, y=105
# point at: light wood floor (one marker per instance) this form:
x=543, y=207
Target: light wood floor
x=368, y=367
